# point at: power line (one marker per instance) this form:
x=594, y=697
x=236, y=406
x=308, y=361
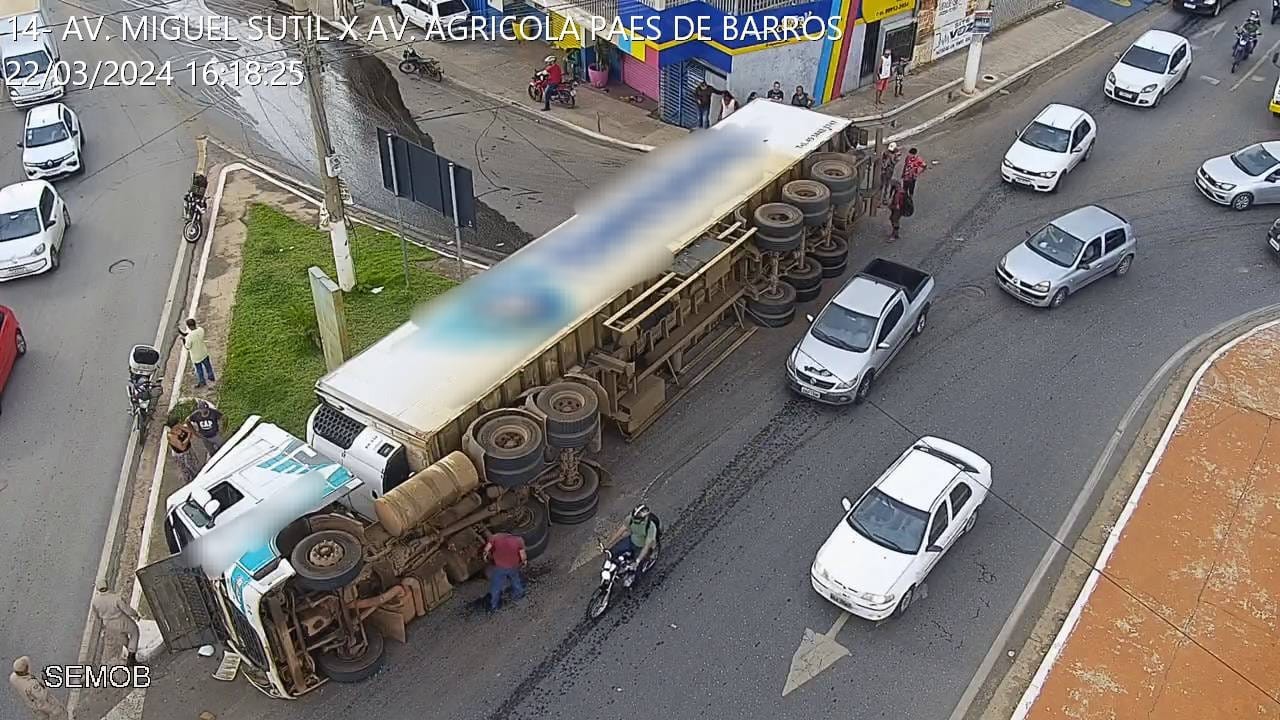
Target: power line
x=1093, y=567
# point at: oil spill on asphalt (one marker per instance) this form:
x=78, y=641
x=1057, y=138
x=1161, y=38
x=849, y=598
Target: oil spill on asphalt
x=790, y=428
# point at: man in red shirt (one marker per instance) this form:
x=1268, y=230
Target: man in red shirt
x=912, y=167
x=506, y=555
x=554, y=77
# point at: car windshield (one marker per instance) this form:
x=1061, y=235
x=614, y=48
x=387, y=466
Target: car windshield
x=46, y=135
x=1144, y=59
x=450, y=7
x=20, y=224
x=1039, y=135
x=1055, y=245
x=20, y=67
x=1254, y=160
x=843, y=328
x=887, y=522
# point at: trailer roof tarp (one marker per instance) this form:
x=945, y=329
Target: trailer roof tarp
x=461, y=346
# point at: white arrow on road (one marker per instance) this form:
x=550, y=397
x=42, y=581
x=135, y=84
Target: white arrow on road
x=816, y=653
x=1211, y=31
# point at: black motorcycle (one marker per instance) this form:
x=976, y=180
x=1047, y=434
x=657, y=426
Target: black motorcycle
x=411, y=63
x=193, y=206
x=622, y=569
x=1275, y=11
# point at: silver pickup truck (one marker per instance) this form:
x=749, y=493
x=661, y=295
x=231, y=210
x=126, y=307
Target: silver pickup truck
x=859, y=332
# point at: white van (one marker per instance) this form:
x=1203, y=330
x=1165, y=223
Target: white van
x=438, y=17
x=29, y=54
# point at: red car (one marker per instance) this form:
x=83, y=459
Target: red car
x=12, y=345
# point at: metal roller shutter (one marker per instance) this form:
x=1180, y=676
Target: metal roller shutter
x=645, y=76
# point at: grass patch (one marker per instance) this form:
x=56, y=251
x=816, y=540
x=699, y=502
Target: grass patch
x=273, y=358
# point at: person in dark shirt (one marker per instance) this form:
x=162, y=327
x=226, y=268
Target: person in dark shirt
x=801, y=98
x=775, y=93
x=703, y=95
x=206, y=420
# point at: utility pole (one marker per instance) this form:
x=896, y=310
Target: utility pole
x=329, y=166
x=982, y=26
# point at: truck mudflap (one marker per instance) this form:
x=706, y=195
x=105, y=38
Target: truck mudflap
x=184, y=604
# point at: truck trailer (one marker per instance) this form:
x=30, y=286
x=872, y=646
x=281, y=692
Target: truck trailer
x=484, y=412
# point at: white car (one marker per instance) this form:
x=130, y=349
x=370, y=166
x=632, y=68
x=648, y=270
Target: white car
x=1149, y=69
x=52, y=142
x=33, y=223
x=878, y=556
x=435, y=16
x=1060, y=138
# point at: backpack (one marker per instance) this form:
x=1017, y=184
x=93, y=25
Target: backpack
x=908, y=205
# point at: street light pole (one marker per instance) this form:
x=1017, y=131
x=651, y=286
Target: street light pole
x=338, y=235
x=974, y=58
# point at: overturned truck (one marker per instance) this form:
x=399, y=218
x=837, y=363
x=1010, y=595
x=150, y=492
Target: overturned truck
x=484, y=412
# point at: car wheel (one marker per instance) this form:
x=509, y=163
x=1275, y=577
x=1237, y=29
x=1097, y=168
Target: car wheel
x=1123, y=268
x=864, y=388
x=1058, y=298
x=55, y=257
x=1156, y=103
x=905, y=601
x=1217, y=9
x=66, y=218
x=1089, y=151
x=968, y=524
x=1243, y=201
x=21, y=344
x=921, y=321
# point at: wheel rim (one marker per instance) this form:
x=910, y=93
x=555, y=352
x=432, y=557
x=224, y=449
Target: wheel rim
x=509, y=439
x=1124, y=265
x=326, y=554
x=22, y=344
x=907, y=597
x=1059, y=298
x=920, y=323
x=1241, y=201
x=864, y=387
x=599, y=603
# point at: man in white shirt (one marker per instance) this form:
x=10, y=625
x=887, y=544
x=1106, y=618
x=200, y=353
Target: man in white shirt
x=883, y=73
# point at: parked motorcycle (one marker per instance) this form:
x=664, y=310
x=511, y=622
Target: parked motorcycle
x=565, y=94
x=193, y=206
x=621, y=569
x=411, y=63
x=145, y=384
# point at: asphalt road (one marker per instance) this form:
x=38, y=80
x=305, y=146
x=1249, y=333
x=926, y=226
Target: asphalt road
x=65, y=422
x=749, y=477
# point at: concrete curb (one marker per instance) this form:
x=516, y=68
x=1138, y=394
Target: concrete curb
x=1113, y=538
x=985, y=94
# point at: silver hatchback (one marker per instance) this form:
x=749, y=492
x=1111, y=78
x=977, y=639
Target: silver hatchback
x=1066, y=255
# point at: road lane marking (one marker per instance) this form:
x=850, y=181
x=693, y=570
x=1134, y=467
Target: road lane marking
x=1210, y=80
x=816, y=653
x=1211, y=31
x=1256, y=65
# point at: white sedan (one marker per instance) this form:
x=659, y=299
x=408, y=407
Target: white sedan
x=33, y=223
x=1149, y=69
x=1060, y=138
x=878, y=556
x=52, y=142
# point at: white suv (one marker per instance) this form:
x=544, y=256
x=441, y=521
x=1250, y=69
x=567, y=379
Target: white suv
x=33, y=223
x=52, y=142
x=1060, y=138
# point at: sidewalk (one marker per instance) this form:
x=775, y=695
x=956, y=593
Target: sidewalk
x=501, y=71
x=1181, y=622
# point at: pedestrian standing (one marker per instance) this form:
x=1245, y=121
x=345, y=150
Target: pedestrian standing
x=117, y=616
x=801, y=98
x=898, y=201
x=912, y=168
x=193, y=340
x=888, y=166
x=882, y=75
x=775, y=93
x=703, y=94
x=899, y=77
x=183, y=450
x=41, y=703
x=728, y=104
x=206, y=420
x=506, y=555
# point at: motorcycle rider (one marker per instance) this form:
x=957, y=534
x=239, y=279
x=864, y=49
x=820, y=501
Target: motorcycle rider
x=1252, y=29
x=640, y=537
x=552, y=76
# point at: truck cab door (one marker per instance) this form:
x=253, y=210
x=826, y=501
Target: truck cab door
x=184, y=603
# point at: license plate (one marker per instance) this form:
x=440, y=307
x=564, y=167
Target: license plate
x=1275, y=244
x=809, y=392
x=1189, y=5
x=1022, y=181
x=1126, y=95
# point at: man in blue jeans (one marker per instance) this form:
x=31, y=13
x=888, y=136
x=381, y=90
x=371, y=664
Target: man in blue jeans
x=554, y=76
x=193, y=339
x=506, y=554
x=640, y=538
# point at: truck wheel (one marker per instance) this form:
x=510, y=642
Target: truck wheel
x=361, y=667
x=571, y=498
x=775, y=307
x=532, y=522
x=576, y=517
x=513, y=448
x=573, y=414
x=811, y=197
x=779, y=221
x=832, y=255
x=837, y=175
x=844, y=197
x=806, y=278
x=327, y=560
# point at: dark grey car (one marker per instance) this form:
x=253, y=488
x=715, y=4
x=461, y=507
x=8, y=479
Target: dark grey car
x=1066, y=255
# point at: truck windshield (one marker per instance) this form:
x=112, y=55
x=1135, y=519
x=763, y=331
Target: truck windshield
x=843, y=328
x=21, y=67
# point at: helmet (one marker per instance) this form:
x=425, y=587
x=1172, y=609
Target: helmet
x=1253, y=15
x=893, y=146
x=641, y=512
x=22, y=665
x=549, y=59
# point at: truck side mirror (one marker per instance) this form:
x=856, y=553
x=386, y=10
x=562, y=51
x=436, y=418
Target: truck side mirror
x=212, y=507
